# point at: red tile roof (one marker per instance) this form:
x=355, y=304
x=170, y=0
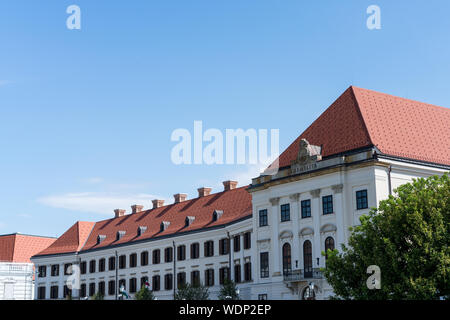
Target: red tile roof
x=71, y=241
x=235, y=204
x=19, y=247
x=396, y=126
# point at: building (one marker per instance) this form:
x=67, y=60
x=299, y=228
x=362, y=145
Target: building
x=268, y=236
x=16, y=269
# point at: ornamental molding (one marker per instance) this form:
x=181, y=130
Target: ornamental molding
x=294, y=196
x=315, y=193
x=275, y=201
x=337, y=188
x=307, y=157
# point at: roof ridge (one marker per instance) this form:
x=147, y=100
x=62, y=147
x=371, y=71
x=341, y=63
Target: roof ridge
x=85, y=240
x=360, y=114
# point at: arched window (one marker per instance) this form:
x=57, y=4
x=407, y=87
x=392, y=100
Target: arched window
x=329, y=244
x=287, y=267
x=307, y=259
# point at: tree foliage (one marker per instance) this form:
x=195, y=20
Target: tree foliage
x=144, y=294
x=98, y=296
x=228, y=291
x=408, y=237
x=192, y=292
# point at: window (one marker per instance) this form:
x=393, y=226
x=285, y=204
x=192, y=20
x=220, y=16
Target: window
x=122, y=283
x=144, y=258
x=262, y=296
x=68, y=269
x=264, y=264
x=181, y=253
x=156, y=256
x=101, y=265
x=306, y=208
x=329, y=245
x=67, y=292
x=122, y=262
x=144, y=280
x=112, y=263
x=133, y=285
x=83, y=267
x=285, y=212
x=101, y=288
x=307, y=259
x=92, y=266
x=195, y=251
x=42, y=271
x=361, y=200
x=195, y=278
x=237, y=273
x=112, y=287
x=91, y=289
x=156, y=280
x=83, y=290
x=247, y=240
x=133, y=260
x=41, y=293
x=248, y=271
x=287, y=267
x=263, y=221
x=181, y=279
x=209, y=277
x=168, y=254
x=224, y=246
x=54, y=292
x=168, y=281
x=209, y=248
x=55, y=270
x=327, y=204
x=237, y=243
x=224, y=274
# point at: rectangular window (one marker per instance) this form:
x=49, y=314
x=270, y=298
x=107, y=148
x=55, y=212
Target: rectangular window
x=262, y=296
x=181, y=279
x=122, y=262
x=112, y=287
x=83, y=290
x=133, y=260
x=68, y=269
x=361, y=200
x=209, y=248
x=224, y=246
x=237, y=273
x=327, y=204
x=101, y=288
x=181, y=253
x=144, y=258
x=156, y=283
x=91, y=289
x=92, y=266
x=195, y=251
x=195, y=278
x=42, y=271
x=285, y=212
x=306, y=208
x=248, y=271
x=247, y=240
x=55, y=270
x=264, y=261
x=133, y=285
x=237, y=243
x=209, y=277
x=67, y=292
x=168, y=254
x=224, y=274
x=41, y=293
x=101, y=265
x=263, y=221
x=156, y=256
x=83, y=267
x=54, y=292
x=168, y=281
x=143, y=281
x=112, y=263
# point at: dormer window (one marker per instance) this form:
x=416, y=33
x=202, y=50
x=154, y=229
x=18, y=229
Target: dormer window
x=100, y=238
x=189, y=220
x=119, y=235
x=164, y=225
x=217, y=214
x=141, y=230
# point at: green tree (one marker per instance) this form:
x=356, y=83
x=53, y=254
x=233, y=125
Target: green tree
x=144, y=294
x=229, y=291
x=192, y=292
x=407, y=237
x=98, y=296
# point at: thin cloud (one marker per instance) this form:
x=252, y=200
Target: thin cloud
x=4, y=82
x=96, y=202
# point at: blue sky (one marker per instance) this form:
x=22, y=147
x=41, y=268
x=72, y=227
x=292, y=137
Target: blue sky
x=86, y=115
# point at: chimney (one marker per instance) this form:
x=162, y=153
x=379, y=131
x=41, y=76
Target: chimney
x=180, y=197
x=157, y=203
x=136, y=208
x=204, y=191
x=229, y=185
x=119, y=212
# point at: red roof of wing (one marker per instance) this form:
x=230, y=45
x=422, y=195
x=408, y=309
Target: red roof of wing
x=235, y=204
x=20, y=248
x=396, y=126
x=72, y=240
